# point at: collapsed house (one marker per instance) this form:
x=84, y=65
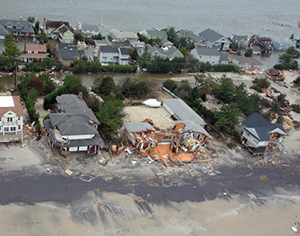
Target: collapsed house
x=257, y=133
x=184, y=143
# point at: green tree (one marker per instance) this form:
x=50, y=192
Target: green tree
x=227, y=119
x=42, y=38
x=234, y=46
x=110, y=117
x=107, y=86
x=199, y=79
x=36, y=27
x=182, y=43
x=11, y=51
x=249, y=52
x=170, y=84
x=285, y=58
x=141, y=89
x=185, y=52
x=31, y=19
x=144, y=59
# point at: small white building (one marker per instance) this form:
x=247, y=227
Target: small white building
x=11, y=119
x=123, y=36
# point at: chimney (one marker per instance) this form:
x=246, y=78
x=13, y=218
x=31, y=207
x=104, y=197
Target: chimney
x=80, y=95
x=91, y=121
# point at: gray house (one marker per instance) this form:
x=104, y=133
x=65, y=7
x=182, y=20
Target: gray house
x=165, y=52
x=153, y=34
x=74, y=128
x=16, y=27
x=242, y=40
x=90, y=30
x=256, y=133
x=215, y=40
x=191, y=38
x=209, y=55
x=68, y=53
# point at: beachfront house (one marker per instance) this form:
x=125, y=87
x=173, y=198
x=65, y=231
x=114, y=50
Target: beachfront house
x=214, y=39
x=33, y=52
x=15, y=27
x=123, y=36
x=90, y=30
x=164, y=52
x=58, y=30
x=192, y=39
x=209, y=55
x=11, y=119
x=154, y=34
x=74, y=127
x=241, y=40
x=257, y=133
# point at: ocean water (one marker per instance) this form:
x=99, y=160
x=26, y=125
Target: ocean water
x=277, y=19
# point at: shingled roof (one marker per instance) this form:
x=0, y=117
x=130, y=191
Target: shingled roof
x=261, y=128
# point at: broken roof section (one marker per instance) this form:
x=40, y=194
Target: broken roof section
x=185, y=114
x=138, y=127
x=191, y=126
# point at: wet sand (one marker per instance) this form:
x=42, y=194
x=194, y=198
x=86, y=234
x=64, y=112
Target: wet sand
x=116, y=214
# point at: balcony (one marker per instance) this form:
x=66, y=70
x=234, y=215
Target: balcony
x=11, y=137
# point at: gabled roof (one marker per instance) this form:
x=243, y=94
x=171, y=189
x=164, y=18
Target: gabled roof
x=68, y=52
x=24, y=26
x=90, y=28
x=124, y=51
x=210, y=35
x=72, y=124
x=238, y=38
x=55, y=24
x=138, y=127
x=63, y=29
x=157, y=34
x=123, y=34
x=109, y=49
x=208, y=52
x=261, y=128
x=3, y=31
x=11, y=103
x=189, y=34
x=35, y=47
x=71, y=103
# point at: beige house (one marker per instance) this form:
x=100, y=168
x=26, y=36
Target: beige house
x=65, y=35
x=34, y=52
x=11, y=119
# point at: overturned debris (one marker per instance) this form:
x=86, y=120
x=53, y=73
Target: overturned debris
x=184, y=143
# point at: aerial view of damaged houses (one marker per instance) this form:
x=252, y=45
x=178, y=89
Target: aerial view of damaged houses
x=90, y=104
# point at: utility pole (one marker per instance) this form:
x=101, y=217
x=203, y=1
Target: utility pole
x=16, y=75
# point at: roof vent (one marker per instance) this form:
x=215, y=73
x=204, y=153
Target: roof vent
x=91, y=121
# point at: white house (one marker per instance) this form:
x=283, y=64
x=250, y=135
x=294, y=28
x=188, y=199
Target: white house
x=245, y=62
x=256, y=133
x=113, y=55
x=123, y=36
x=209, y=55
x=215, y=40
x=11, y=119
x=89, y=30
x=163, y=52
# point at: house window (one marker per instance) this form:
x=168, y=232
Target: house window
x=13, y=128
x=19, y=117
x=36, y=52
x=0, y=118
x=9, y=119
x=29, y=51
x=6, y=129
x=0, y=127
x=19, y=126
